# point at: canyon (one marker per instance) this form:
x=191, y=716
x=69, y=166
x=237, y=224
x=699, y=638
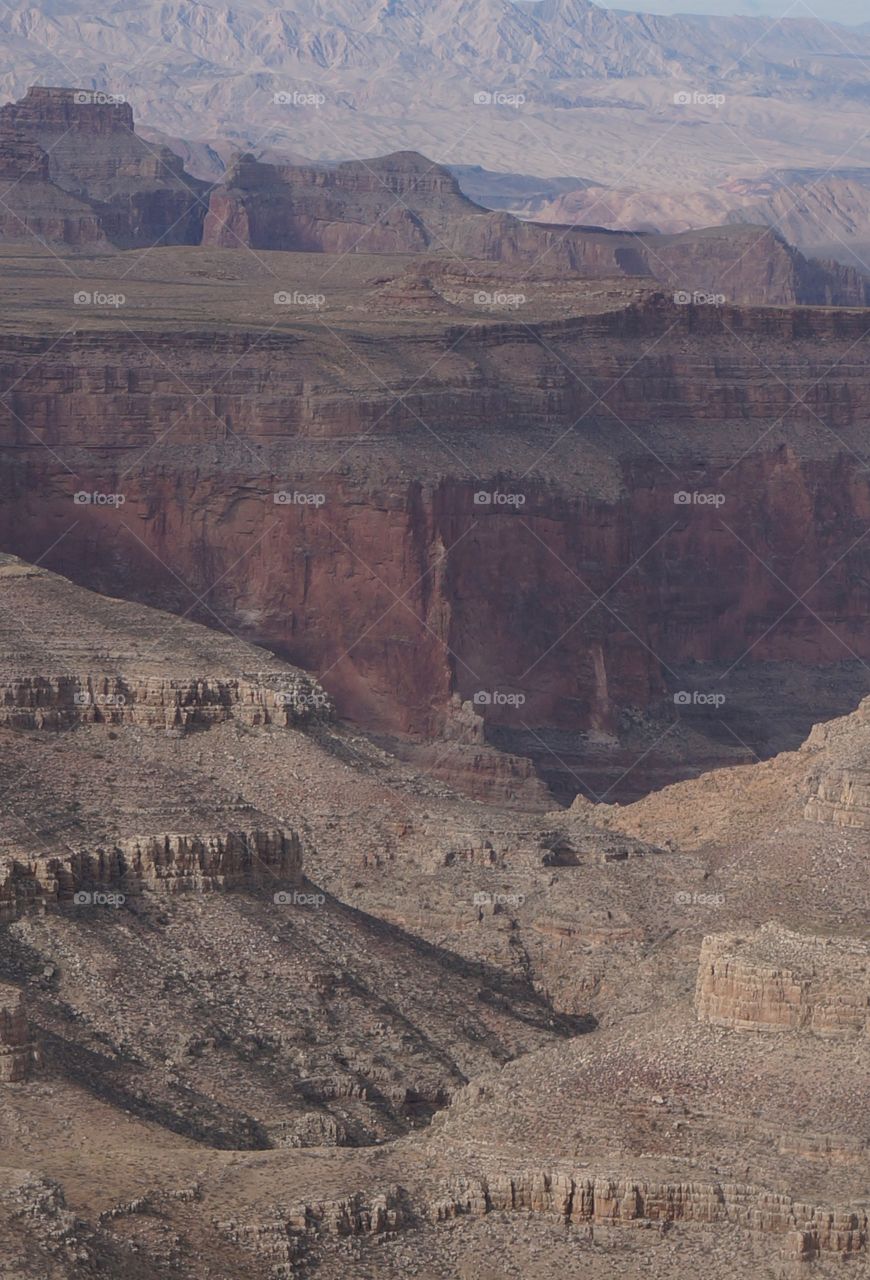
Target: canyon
x=361, y=1047
x=674, y=496
x=336, y=414
x=434, y=702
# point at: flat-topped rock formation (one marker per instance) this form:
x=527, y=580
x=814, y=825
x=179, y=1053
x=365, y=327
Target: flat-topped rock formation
x=777, y=980
x=129, y=192
x=404, y=203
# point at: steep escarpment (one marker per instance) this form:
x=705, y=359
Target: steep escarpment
x=85, y=178
x=777, y=980
x=404, y=203
x=670, y=497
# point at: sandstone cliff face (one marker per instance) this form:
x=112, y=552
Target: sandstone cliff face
x=58, y=701
x=393, y=204
x=837, y=787
x=167, y=863
x=806, y=1231
x=779, y=980
x=35, y=207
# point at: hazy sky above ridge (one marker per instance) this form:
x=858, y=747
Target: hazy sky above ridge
x=849, y=11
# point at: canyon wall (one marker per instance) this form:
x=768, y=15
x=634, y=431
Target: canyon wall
x=74, y=172
x=643, y=489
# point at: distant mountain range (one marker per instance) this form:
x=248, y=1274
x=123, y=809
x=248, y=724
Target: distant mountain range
x=674, y=106
x=361, y=77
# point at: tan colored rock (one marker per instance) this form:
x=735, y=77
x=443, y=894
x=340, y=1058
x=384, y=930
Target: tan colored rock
x=779, y=980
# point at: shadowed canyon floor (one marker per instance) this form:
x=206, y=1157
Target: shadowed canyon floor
x=275, y=1003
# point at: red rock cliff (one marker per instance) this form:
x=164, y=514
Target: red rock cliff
x=583, y=584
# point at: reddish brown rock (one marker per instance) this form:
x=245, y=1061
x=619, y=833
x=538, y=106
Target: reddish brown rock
x=401, y=588
x=133, y=192
x=404, y=203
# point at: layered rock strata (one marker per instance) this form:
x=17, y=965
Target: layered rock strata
x=128, y=192
x=579, y=1199
x=403, y=588
x=777, y=980
x=165, y=863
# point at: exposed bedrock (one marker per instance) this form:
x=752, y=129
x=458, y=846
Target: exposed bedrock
x=168, y=863
x=777, y=980
x=805, y=1231
x=302, y=505
x=20, y=1053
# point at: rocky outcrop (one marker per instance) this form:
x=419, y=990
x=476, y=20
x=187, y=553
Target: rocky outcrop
x=405, y=203
x=393, y=204
x=776, y=980
x=54, y=702
x=841, y=797
x=621, y=1201
x=837, y=786
x=99, y=183
x=165, y=863
x=578, y=1199
x=19, y=1049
